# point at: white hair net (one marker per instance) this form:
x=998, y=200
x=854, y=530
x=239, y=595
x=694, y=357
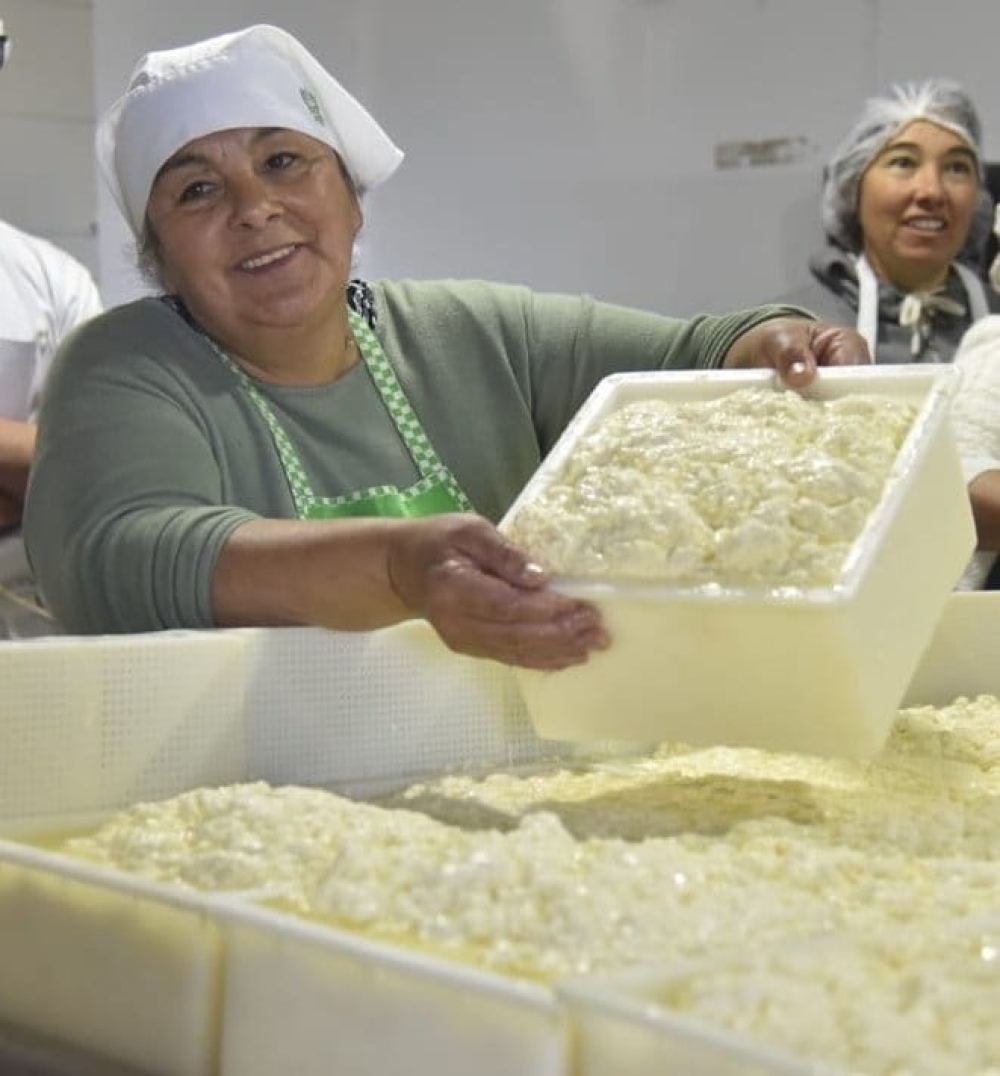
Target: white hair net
x=937, y=100
x=258, y=77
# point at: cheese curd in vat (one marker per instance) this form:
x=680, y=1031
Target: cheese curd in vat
x=573, y=870
x=883, y=1004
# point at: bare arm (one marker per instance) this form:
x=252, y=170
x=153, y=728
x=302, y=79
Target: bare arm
x=984, y=495
x=17, y=446
x=974, y=411
x=482, y=594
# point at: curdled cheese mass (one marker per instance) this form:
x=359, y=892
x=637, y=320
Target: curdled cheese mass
x=885, y=1003
x=756, y=487
x=684, y=853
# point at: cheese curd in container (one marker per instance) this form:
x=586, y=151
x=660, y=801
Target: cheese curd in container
x=770, y=564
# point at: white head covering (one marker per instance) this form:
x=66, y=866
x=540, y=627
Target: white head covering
x=938, y=101
x=257, y=77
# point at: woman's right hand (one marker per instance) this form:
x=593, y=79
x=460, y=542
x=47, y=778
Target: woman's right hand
x=485, y=597
x=482, y=594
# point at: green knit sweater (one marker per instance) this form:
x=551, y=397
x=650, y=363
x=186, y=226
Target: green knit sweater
x=150, y=453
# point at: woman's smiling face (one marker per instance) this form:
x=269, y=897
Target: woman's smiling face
x=916, y=203
x=254, y=230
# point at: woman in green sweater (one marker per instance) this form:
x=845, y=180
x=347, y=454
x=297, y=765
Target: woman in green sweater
x=273, y=443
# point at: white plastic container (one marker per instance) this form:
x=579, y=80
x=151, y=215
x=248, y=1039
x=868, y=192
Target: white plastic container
x=962, y=658
x=306, y=998
x=101, y=968
x=620, y=1028
x=818, y=670
x=114, y=969
x=95, y=964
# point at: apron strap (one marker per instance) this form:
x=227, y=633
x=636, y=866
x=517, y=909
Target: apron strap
x=404, y=418
x=867, y=322
x=295, y=473
x=421, y=451
x=978, y=306
x=432, y=470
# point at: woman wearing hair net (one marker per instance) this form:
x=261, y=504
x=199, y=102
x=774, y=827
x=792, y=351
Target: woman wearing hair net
x=270, y=442
x=907, y=219
x=976, y=424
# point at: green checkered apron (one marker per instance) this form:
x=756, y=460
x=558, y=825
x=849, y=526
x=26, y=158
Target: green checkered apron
x=436, y=491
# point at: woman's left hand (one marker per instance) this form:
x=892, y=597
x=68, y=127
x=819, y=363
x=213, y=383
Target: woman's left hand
x=796, y=348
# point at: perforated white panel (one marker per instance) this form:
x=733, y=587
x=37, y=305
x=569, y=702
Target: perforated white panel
x=92, y=724
x=378, y=707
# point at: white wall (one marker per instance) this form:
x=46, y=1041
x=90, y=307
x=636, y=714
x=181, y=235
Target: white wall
x=571, y=144
x=47, y=123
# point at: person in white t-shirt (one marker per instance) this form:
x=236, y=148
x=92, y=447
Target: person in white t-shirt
x=44, y=294
x=974, y=413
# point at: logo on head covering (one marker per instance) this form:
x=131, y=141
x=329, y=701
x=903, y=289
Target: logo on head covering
x=309, y=99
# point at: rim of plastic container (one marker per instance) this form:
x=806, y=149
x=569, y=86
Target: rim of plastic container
x=933, y=385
